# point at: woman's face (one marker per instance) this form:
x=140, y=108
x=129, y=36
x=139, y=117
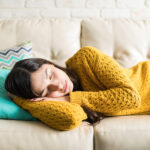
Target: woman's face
x=49, y=81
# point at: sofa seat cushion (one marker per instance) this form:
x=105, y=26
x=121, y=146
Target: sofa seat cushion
x=33, y=135
x=123, y=132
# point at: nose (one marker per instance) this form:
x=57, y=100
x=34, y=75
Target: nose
x=56, y=86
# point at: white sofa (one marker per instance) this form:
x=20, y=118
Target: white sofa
x=126, y=40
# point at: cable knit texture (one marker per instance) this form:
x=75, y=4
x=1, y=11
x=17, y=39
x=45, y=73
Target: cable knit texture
x=107, y=88
x=56, y=114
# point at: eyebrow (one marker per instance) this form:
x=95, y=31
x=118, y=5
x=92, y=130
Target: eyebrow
x=44, y=88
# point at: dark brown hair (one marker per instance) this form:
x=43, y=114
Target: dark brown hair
x=18, y=82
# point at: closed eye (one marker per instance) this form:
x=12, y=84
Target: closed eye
x=48, y=91
x=51, y=76
x=47, y=74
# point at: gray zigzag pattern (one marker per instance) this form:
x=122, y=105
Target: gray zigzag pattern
x=17, y=49
x=14, y=54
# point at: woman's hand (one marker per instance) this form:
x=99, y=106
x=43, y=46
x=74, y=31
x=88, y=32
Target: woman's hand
x=63, y=98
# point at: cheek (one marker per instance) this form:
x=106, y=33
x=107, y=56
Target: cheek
x=61, y=75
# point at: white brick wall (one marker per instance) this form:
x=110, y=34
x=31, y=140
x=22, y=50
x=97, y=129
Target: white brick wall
x=40, y=3
x=12, y=3
x=56, y=13
x=115, y=13
x=100, y=3
x=138, y=9
x=70, y=3
x=85, y=12
x=131, y=4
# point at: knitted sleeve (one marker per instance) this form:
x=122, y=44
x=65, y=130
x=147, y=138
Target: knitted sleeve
x=56, y=114
x=119, y=92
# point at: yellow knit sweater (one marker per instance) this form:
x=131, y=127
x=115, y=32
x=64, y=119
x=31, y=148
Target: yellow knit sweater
x=108, y=88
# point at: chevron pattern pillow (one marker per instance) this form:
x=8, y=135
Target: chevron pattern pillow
x=9, y=57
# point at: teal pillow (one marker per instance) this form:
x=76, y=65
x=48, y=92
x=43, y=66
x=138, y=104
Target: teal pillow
x=8, y=109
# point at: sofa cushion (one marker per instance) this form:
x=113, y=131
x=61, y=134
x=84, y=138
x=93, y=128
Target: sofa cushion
x=53, y=39
x=33, y=135
x=123, y=132
x=126, y=40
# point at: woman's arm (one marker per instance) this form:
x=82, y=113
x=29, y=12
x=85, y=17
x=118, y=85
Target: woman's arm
x=60, y=115
x=62, y=98
x=119, y=92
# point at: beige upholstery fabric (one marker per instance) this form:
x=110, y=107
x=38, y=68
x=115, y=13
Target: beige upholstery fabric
x=55, y=40
x=128, y=41
x=32, y=135
x=123, y=133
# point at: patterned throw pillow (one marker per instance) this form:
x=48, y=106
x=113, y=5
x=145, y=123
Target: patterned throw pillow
x=8, y=109
x=9, y=57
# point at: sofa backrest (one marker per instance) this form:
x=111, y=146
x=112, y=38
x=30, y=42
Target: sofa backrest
x=126, y=40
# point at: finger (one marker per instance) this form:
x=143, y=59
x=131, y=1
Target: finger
x=35, y=100
x=10, y=95
x=32, y=99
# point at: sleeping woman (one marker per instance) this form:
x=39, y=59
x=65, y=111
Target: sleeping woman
x=92, y=85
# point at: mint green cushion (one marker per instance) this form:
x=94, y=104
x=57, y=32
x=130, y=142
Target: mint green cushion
x=8, y=109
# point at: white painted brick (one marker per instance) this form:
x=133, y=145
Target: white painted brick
x=5, y=13
x=40, y=3
x=11, y=3
x=75, y=8
x=140, y=14
x=147, y=3
x=85, y=12
x=115, y=13
x=130, y=4
x=70, y=3
x=56, y=12
x=26, y=13
x=100, y=3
